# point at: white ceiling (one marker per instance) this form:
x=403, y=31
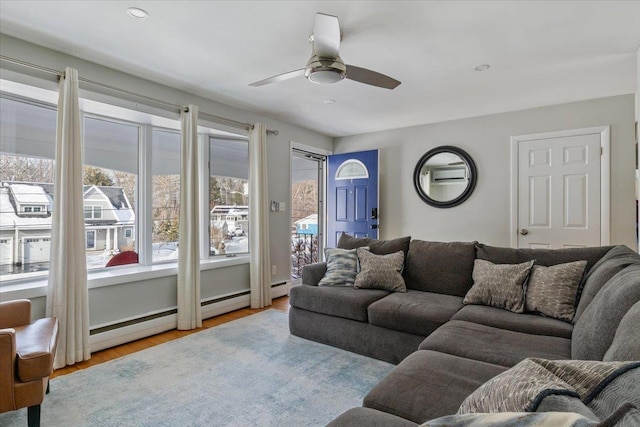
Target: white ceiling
x=540, y=52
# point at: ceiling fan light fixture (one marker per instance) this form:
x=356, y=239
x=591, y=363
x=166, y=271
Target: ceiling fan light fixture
x=325, y=70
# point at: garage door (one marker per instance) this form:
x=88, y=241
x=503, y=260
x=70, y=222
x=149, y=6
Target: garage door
x=6, y=251
x=36, y=250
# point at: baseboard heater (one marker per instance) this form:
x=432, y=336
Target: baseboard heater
x=132, y=329
x=127, y=330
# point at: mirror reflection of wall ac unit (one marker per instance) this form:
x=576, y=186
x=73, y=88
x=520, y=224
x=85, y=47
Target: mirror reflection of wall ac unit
x=448, y=175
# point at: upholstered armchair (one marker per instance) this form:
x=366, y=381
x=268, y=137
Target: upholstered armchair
x=27, y=351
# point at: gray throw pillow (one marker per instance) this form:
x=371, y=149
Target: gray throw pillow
x=380, y=271
x=552, y=290
x=499, y=285
x=342, y=267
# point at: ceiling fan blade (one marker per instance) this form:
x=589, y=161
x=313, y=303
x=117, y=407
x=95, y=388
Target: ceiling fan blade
x=326, y=36
x=279, y=78
x=372, y=78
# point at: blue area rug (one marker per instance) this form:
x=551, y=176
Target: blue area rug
x=249, y=372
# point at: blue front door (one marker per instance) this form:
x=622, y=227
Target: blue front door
x=352, y=195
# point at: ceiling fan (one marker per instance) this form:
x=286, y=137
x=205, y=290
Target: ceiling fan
x=325, y=64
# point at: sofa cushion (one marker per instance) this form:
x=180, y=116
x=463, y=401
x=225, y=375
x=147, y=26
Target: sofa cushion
x=552, y=291
x=593, y=333
x=443, y=268
x=608, y=266
x=429, y=384
x=342, y=267
x=504, y=319
x=345, y=302
x=494, y=345
x=380, y=271
x=626, y=342
x=378, y=247
x=499, y=285
x=367, y=417
x=415, y=312
x=544, y=257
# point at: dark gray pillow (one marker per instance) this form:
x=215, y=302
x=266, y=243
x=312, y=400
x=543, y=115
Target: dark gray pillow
x=626, y=342
x=499, y=285
x=440, y=267
x=593, y=333
x=552, y=290
x=544, y=257
x=342, y=267
x=380, y=271
x=378, y=247
x=608, y=266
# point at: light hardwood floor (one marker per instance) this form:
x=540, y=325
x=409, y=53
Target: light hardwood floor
x=281, y=304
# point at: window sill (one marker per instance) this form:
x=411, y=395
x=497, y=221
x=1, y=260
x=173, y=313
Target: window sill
x=116, y=276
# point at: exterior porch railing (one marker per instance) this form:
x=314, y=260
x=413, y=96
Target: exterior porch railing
x=304, y=251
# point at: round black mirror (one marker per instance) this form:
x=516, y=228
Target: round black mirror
x=445, y=176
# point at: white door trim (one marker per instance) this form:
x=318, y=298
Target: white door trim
x=605, y=195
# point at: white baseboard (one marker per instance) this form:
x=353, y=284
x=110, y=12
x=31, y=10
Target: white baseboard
x=280, y=291
x=134, y=332
x=148, y=328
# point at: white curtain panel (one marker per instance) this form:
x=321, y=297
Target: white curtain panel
x=259, y=218
x=189, y=311
x=67, y=294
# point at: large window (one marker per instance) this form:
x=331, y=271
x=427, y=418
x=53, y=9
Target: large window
x=110, y=185
x=228, y=196
x=165, y=166
x=27, y=148
x=131, y=184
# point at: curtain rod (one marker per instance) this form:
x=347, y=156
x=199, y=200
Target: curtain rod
x=218, y=119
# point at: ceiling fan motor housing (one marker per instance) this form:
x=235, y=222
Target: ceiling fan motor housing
x=325, y=70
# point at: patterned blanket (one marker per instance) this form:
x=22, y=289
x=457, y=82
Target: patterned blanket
x=523, y=387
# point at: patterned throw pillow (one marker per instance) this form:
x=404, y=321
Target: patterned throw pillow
x=342, y=267
x=552, y=290
x=380, y=271
x=499, y=285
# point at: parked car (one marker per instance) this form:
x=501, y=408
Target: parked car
x=238, y=231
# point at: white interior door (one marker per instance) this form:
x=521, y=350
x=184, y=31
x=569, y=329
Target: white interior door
x=562, y=200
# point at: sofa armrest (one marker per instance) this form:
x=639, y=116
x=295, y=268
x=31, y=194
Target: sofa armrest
x=7, y=369
x=36, y=349
x=15, y=313
x=313, y=273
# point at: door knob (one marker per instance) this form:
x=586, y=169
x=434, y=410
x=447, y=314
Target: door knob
x=524, y=231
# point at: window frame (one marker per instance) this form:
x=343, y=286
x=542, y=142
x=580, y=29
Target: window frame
x=146, y=119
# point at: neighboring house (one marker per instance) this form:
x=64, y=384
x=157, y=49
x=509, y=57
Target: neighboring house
x=233, y=215
x=25, y=221
x=307, y=225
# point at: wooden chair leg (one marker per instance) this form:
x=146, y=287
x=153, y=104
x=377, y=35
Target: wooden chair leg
x=47, y=392
x=33, y=416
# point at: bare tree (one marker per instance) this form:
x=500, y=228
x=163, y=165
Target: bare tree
x=304, y=199
x=26, y=169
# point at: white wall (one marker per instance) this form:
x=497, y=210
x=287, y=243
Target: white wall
x=485, y=215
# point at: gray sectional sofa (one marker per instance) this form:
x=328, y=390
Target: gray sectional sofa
x=444, y=349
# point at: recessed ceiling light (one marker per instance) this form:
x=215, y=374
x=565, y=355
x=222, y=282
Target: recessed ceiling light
x=329, y=101
x=136, y=12
x=482, y=67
